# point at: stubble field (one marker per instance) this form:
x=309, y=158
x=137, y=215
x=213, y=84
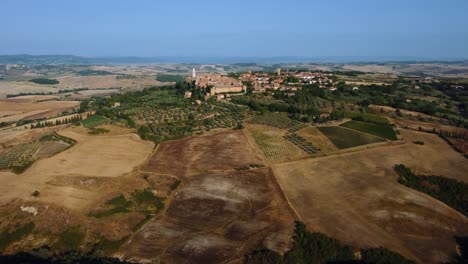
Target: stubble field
x=355, y=198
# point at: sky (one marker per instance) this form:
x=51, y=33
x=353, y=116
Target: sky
x=239, y=28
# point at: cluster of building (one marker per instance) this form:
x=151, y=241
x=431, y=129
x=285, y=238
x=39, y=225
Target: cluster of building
x=218, y=84
x=222, y=86
x=285, y=81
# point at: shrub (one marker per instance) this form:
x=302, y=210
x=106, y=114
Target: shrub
x=44, y=81
x=7, y=238
x=175, y=184
x=70, y=239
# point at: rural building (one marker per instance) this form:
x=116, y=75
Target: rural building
x=188, y=94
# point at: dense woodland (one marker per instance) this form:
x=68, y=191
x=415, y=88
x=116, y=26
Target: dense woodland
x=449, y=191
x=316, y=248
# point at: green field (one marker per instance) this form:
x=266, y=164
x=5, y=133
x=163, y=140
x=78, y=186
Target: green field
x=279, y=120
x=379, y=130
x=347, y=138
x=169, y=78
x=94, y=120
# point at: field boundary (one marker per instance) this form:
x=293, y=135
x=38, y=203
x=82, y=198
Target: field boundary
x=291, y=207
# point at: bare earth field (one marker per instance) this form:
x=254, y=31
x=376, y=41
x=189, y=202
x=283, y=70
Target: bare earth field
x=219, y=213
x=32, y=107
x=92, y=156
x=355, y=197
x=217, y=217
x=221, y=151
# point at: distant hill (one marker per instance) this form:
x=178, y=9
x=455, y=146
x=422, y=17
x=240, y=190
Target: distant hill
x=72, y=59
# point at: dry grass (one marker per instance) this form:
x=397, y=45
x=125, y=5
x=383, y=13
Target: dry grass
x=18, y=108
x=93, y=156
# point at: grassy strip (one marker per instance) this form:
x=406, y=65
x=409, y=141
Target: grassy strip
x=449, y=191
x=116, y=205
x=7, y=238
x=143, y=201
x=147, y=202
x=383, y=131
x=94, y=120
x=97, y=131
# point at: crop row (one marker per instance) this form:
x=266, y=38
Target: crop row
x=302, y=143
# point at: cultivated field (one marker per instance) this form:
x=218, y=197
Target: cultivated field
x=272, y=143
x=355, y=197
x=194, y=155
x=383, y=131
x=316, y=138
x=347, y=138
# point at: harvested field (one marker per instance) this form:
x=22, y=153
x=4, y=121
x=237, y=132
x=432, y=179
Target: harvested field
x=106, y=156
x=316, y=138
x=32, y=107
x=76, y=82
x=220, y=151
x=109, y=155
x=355, y=197
x=217, y=217
x=347, y=138
x=272, y=143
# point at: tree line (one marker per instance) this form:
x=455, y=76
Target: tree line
x=58, y=122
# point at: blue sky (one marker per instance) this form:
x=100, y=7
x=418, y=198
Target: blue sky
x=429, y=28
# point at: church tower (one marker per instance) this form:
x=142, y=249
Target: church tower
x=194, y=73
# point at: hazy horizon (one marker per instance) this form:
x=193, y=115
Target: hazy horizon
x=416, y=29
